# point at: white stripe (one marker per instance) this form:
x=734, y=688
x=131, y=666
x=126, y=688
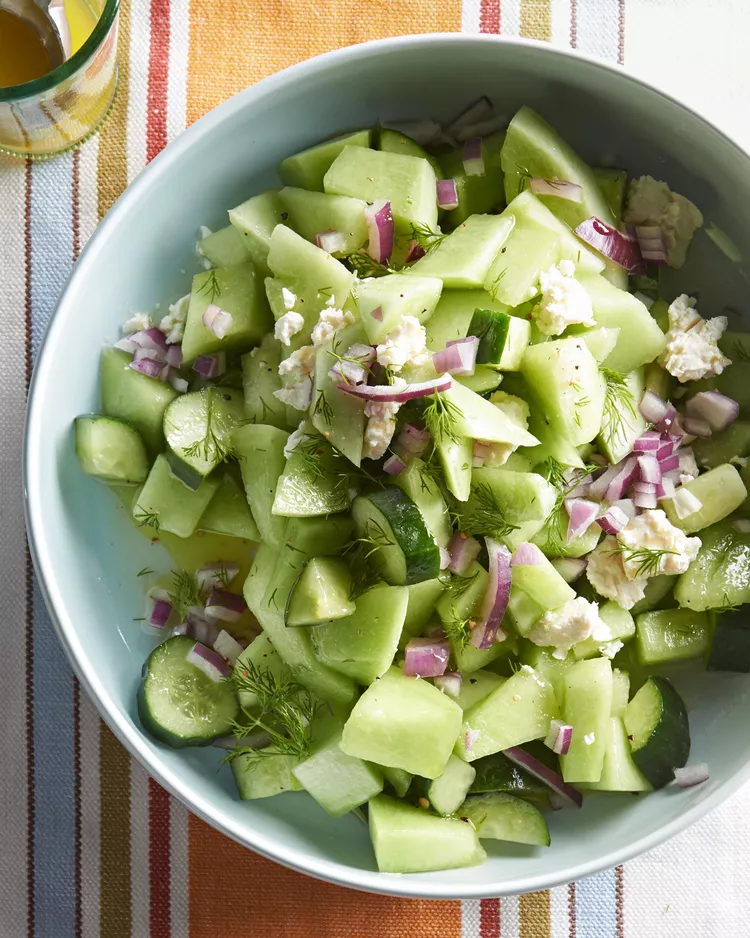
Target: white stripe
x=470, y=14
x=13, y=675
x=598, y=28
x=139, y=843
x=140, y=39
x=88, y=198
x=559, y=914
x=510, y=23
x=471, y=918
x=510, y=917
x=560, y=17
x=178, y=869
x=89, y=725
x=179, y=51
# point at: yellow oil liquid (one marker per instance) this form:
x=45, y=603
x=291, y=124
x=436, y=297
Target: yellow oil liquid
x=22, y=55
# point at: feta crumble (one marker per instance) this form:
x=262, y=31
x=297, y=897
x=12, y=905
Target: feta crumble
x=692, y=350
x=137, y=323
x=173, y=324
x=381, y=425
x=294, y=439
x=298, y=368
x=288, y=298
x=688, y=466
x=653, y=531
x=288, y=326
x=406, y=345
x=564, y=301
x=605, y=573
x=574, y=622
x=329, y=322
x=297, y=395
x=516, y=410
x=651, y=202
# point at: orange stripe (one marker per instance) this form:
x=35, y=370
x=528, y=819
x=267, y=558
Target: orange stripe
x=235, y=44
x=112, y=169
x=535, y=915
x=235, y=892
x=114, y=834
x=536, y=19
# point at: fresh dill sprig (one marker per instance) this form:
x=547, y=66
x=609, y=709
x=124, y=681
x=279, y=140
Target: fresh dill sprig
x=145, y=518
x=647, y=560
x=364, y=572
x=487, y=515
x=619, y=402
x=740, y=353
x=425, y=237
x=495, y=285
x=284, y=711
x=441, y=415
x=211, y=447
x=323, y=409
x=555, y=473
x=458, y=585
x=458, y=629
x=351, y=359
x=311, y=453
x=430, y=476
x=211, y=287
x=365, y=266
x=145, y=572
x=184, y=592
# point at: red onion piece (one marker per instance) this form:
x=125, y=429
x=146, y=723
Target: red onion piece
x=217, y=320
x=613, y=520
x=653, y=408
x=425, y=657
x=648, y=442
x=527, y=555
x=473, y=157
x=666, y=449
x=445, y=558
x=457, y=358
x=149, y=338
x=464, y=551
x=581, y=515
x=377, y=313
x=497, y=596
x=649, y=469
x=610, y=242
x=179, y=384
x=140, y=353
x=125, y=345
x=394, y=466
x=623, y=480
x=598, y=488
x=447, y=197
x=645, y=488
x=480, y=451
x=224, y=606
x=174, y=356
x=216, y=574
x=386, y=394
x=669, y=463
x=665, y=489
x=331, y=241
x=449, y=683
x=415, y=252
x=626, y=506
x=228, y=646
x=652, y=244
x=147, y=366
x=643, y=500
x=211, y=663
x=210, y=366
x=716, y=409
x=414, y=438
x=160, y=613
x=479, y=110
x=539, y=770
x=666, y=422
x=691, y=775
x=562, y=188
x=380, y=229
x=559, y=737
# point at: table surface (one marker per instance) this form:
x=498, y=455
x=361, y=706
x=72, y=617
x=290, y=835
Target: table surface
x=90, y=846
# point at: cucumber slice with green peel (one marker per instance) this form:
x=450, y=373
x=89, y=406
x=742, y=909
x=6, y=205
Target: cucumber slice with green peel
x=404, y=550
x=461, y=260
x=566, y=381
x=518, y=711
x=110, y=450
x=135, y=398
x=307, y=169
x=259, y=654
x=228, y=511
x=260, y=452
x=730, y=645
x=640, y=340
x=502, y=338
x=419, y=483
x=474, y=417
x=619, y=770
x=484, y=379
x=310, y=483
x=255, y=221
x=720, y=575
x=198, y=428
x=477, y=686
x=225, y=248
x=620, y=623
x=411, y=840
x=612, y=183
x=166, y=504
x=260, y=379
x=408, y=182
x=498, y=773
x=587, y=707
x=499, y=816
x=237, y=290
x=320, y=536
x=420, y=608
x=392, y=141
x=339, y=417
x=620, y=692
x=363, y=644
x=392, y=297
x=672, y=635
x=448, y=791
x=722, y=447
x=399, y=780
x=338, y=782
x=476, y=194
x=657, y=726
x=272, y=774
x=311, y=213
x=321, y=593
x=456, y=459
x=657, y=592
x=178, y=702
x=720, y=491
x=622, y=421
x=502, y=502
x=453, y=314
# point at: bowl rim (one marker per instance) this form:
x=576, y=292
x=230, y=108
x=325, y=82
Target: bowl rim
x=131, y=736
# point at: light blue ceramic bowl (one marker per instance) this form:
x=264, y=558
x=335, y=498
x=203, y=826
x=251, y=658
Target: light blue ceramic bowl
x=87, y=554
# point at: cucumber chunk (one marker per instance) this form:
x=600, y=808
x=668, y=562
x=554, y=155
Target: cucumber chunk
x=499, y=816
x=622, y=423
x=612, y=183
x=265, y=777
x=167, y=504
x=255, y=220
x=260, y=451
x=657, y=725
x=502, y=338
x=403, y=722
x=421, y=487
x=476, y=194
x=542, y=584
x=260, y=378
x=198, y=429
x=311, y=213
x=399, y=780
x=392, y=141
x=620, y=692
x=110, y=449
x=600, y=341
x=672, y=635
x=411, y=840
x=455, y=458
x=180, y=704
x=228, y=511
x=321, y=593
x=720, y=574
x=224, y=248
x=420, y=609
x=133, y=397
x=549, y=669
x=657, y=592
x=619, y=771
x=484, y=379
x=478, y=419
x=730, y=647
x=307, y=169
x=395, y=296
x=307, y=488
x=338, y=782
x=477, y=686
x=404, y=549
x=329, y=535
x=720, y=491
x=721, y=447
x=453, y=314
x=339, y=417
x=621, y=624
x=447, y=792
x=587, y=706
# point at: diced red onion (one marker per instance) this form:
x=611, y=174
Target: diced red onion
x=331, y=241
x=449, y=683
x=473, y=157
x=649, y=469
x=613, y=520
x=377, y=313
x=125, y=345
x=217, y=320
x=648, y=442
x=716, y=409
x=697, y=426
x=210, y=366
x=562, y=188
x=665, y=489
x=380, y=229
x=147, y=366
x=691, y=775
x=414, y=438
x=540, y=771
x=224, y=606
x=445, y=558
x=387, y=394
x=216, y=574
x=211, y=663
x=652, y=244
x=581, y=515
x=199, y=627
x=666, y=449
x=610, y=242
x=644, y=488
x=447, y=197
x=174, y=356
x=623, y=480
x=626, y=506
x=598, y=488
x=464, y=551
x=470, y=738
x=666, y=422
x=425, y=657
x=228, y=646
x=669, y=463
x=496, y=599
x=581, y=490
x=140, y=353
x=480, y=451
x=160, y=613
x=559, y=737
x=643, y=500
x=685, y=503
x=457, y=358
x=479, y=110
x=149, y=338
x=527, y=555
x=742, y=525
x=394, y=466
x=653, y=408
x=415, y=252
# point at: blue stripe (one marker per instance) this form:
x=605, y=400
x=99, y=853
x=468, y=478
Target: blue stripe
x=596, y=906
x=54, y=819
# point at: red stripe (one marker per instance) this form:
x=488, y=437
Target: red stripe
x=158, y=860
x=489, y=918
x=489, y=16
x=158, y=74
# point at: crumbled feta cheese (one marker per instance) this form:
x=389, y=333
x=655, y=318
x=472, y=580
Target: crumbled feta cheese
x=288, y=326
x=294, y=438
x=605, y=573
x=652, y=203
x=692, y=350
x=589, y=739
x=516, y=410
x=297, y=395
x=740, y=461
x=298, y=368
x=564, y=301
x=288, y=298
x=688, y=466
x=653, y=531
x=406, y=345
x=329, y=322
x=574, y=622
x=610, y=649
x=137, y=323
x=173, y=324
x=381, y=425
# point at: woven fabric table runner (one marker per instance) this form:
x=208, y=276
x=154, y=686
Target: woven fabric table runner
x=89, y=845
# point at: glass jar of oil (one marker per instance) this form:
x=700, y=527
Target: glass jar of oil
x=44, y=111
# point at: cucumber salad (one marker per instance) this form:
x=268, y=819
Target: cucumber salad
x=466, y=480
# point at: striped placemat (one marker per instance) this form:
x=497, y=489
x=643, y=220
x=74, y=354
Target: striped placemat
x=90, y=846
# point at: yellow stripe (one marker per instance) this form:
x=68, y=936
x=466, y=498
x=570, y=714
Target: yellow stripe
x=112, y=166
x=535, y=915
x=114, y=844
x=536, y=19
